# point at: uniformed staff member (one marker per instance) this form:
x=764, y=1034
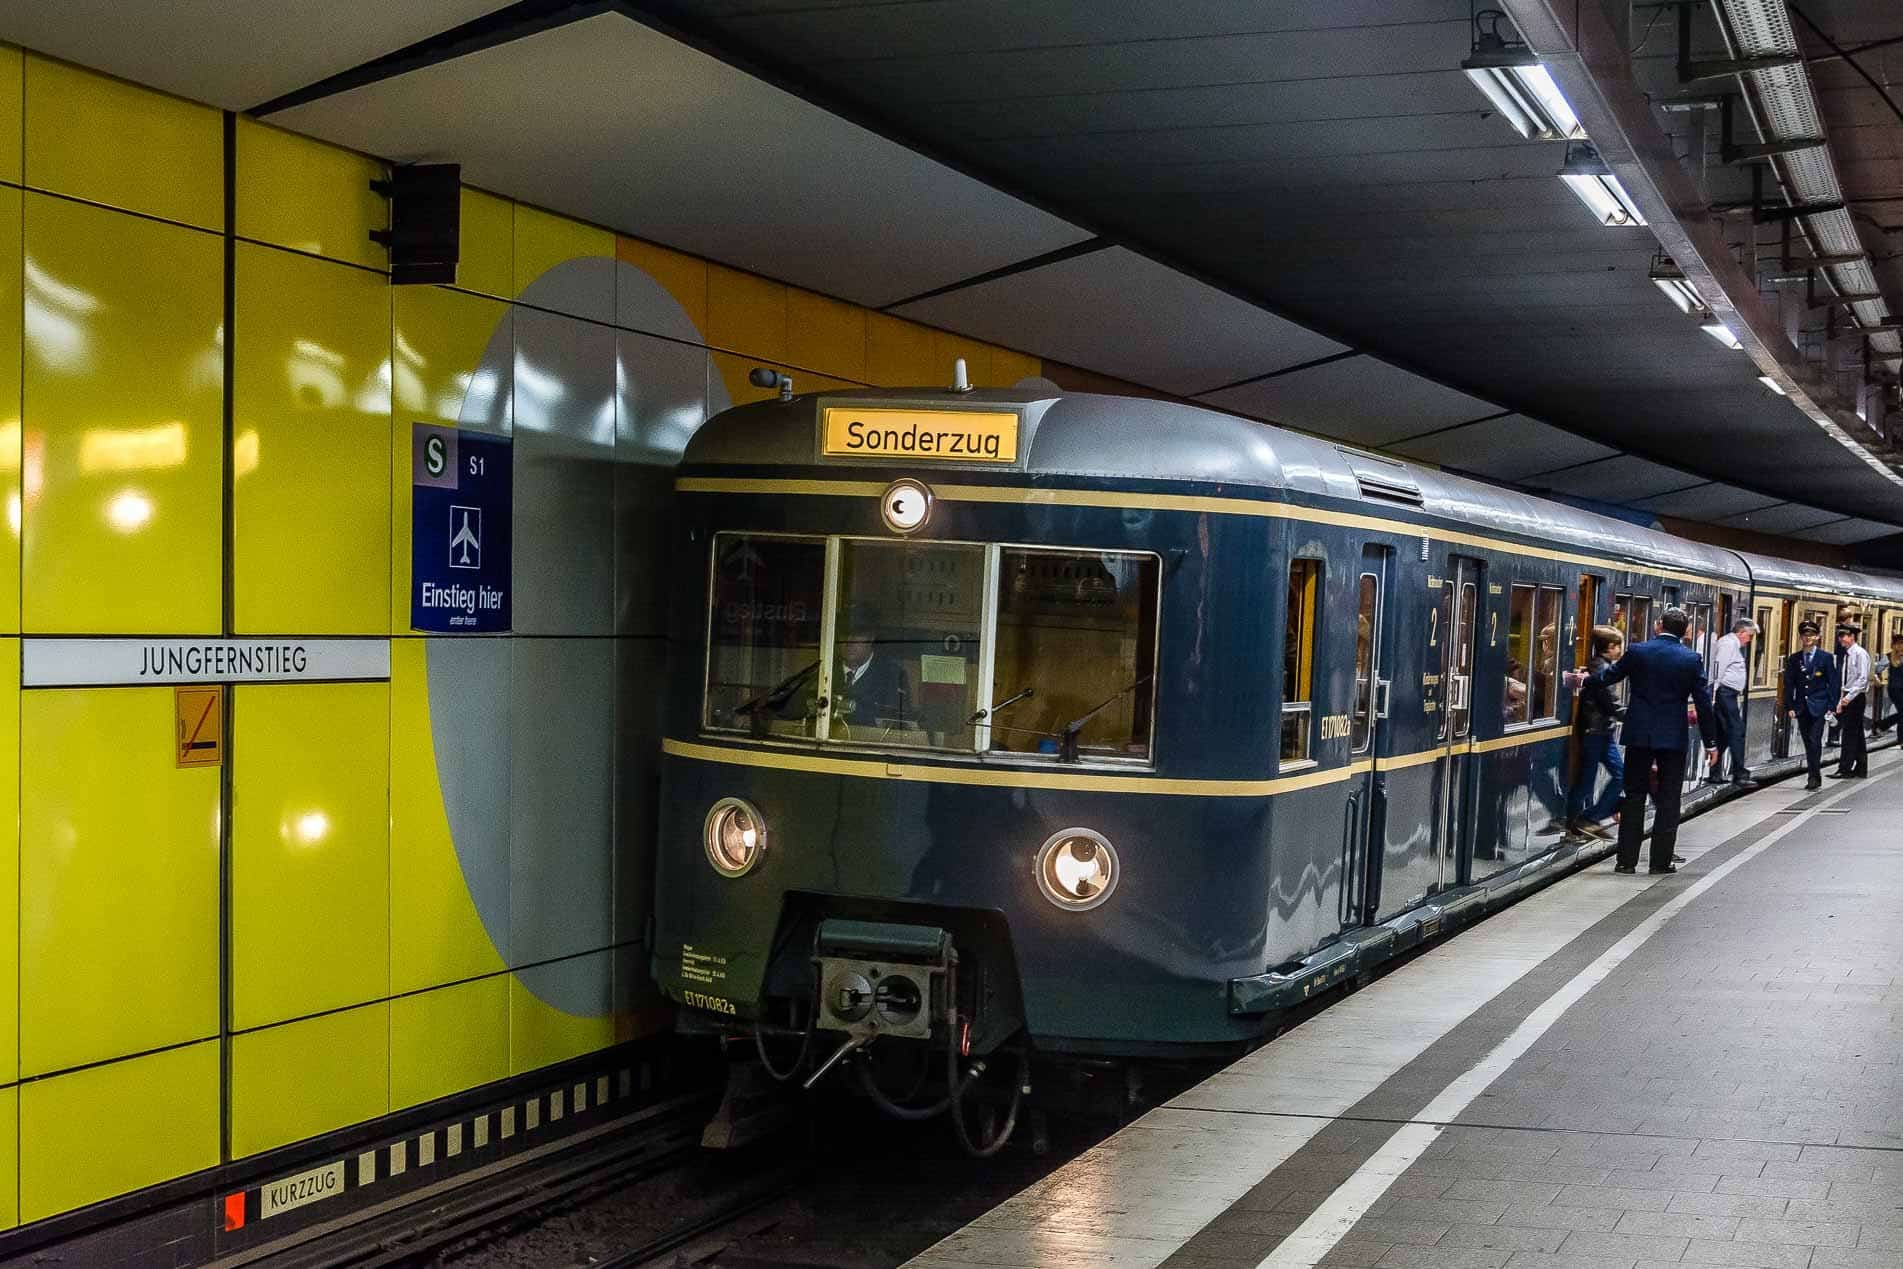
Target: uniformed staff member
x=1810, y=694
x=1664, y=673
x=1853, y=759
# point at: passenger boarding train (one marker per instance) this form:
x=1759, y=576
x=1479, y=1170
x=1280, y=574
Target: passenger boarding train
x=1008, y=720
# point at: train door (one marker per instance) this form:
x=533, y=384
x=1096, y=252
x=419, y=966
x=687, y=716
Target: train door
x=1373, y=677
x=1584, y=614
x=1464, y=587
x=1775, y=617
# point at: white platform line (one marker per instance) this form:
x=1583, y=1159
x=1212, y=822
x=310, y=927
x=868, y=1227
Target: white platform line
x=1341, y=1210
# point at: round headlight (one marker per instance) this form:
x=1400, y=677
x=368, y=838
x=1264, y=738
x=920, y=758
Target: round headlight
x=735, y=837
x=1077, y=869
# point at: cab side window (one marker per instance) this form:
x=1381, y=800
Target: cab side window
x=1298, y=659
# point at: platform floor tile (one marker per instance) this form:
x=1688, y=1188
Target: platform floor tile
x=1618, y=1072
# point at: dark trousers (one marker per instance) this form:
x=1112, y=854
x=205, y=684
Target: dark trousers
x=1639, y=762
x=1731, y=730
x=1853, y=758
x=1811, y=728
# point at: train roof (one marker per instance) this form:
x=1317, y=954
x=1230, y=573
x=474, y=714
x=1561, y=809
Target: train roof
x=1093, y=436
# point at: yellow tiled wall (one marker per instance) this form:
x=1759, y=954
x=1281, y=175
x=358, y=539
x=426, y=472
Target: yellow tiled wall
x=414, y=905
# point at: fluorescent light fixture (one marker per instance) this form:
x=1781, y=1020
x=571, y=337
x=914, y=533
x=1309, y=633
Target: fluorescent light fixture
x=1588, y=177
x=1523, y=92
x=1681, y=293
x=1771, y=383
x=1722, y=333
x=1671, y=280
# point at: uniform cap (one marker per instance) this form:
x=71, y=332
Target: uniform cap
x=1808, y=627
x=1849, y=628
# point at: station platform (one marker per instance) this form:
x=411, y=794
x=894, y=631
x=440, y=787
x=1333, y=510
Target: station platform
x=1619, y=1072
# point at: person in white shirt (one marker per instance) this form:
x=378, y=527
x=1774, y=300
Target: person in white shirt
x=1730, y=672
x=1853, y=762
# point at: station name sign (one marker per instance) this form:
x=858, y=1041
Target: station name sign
x=119, y=662
x=952, y=436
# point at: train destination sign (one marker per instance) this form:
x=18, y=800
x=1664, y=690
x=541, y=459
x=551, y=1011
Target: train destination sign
x=949, y=436
x=119, y=662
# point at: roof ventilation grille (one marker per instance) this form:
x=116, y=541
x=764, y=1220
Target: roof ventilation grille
x=1382, y=478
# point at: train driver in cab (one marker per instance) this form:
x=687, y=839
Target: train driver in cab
x=870, y=686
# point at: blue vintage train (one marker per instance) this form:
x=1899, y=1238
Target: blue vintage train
x=1109, y=727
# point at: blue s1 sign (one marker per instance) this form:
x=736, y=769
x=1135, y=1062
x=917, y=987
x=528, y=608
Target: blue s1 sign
x=460, y=512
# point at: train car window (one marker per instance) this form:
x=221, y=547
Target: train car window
x=1076, y=645
x=1545, y=680
x=1298, y=658
x=906, y=642
x=1768, y=648
x=763, y=631
x=1699, y=638
x=1464, y=659
x=1638, y=620
x=1368, y=611
x=1514, y=703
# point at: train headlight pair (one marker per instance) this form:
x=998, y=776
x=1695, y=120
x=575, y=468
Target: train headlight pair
x=735, y=837
x=1077, y=869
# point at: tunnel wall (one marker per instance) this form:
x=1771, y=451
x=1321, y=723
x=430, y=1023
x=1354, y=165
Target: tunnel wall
x=392, y=890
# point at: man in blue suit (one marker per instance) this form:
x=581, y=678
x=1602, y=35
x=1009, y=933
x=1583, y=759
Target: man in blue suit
x=1811, y=689
x=1664, y=673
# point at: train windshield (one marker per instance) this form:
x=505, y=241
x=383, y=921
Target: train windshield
x=960, y=647
x=763, y=634
x=1077, y=642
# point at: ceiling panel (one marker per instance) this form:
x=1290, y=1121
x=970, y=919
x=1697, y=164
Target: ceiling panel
x=1331, y=160
x=1140, y=65
x=231, y=53
x=1706, y=502
x=1623, y=479
x=1789, y=517
x=1509, y=448
x=1845, y=532
x=611, y=121
x=1358, y=399
x=1181, y=335
x=1217, y=105
x=856, y=30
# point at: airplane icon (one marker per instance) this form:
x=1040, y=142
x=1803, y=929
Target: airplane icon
x=465, y=542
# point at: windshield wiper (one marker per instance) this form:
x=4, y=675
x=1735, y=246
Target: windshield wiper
x=1067, y=745
x=777, y=695
x=1006, y=703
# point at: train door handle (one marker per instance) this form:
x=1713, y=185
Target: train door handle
x=1350, y=823
x=1383, y=691
x=1457, y=692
